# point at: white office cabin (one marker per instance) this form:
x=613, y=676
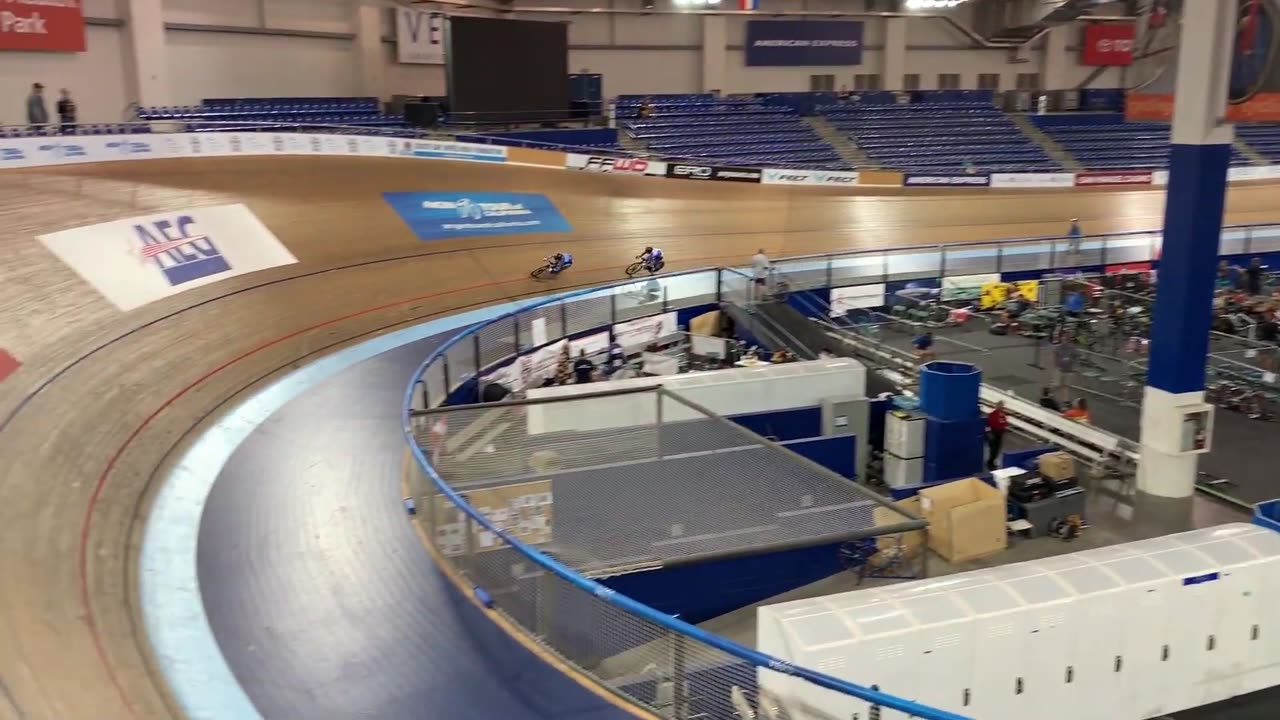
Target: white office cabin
x=1124, y=632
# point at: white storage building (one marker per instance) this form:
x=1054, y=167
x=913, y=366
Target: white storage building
x=1123, y=633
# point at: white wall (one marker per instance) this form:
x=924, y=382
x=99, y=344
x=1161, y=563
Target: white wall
x=96, y=78
x=205, y=65
x=636, y=54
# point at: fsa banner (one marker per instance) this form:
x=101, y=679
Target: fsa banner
x=42, y=25
x=140, y=260
x=419, y=37
x=1107, y=44
x=795, y=43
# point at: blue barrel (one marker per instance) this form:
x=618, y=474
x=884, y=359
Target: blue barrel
x=949, y=390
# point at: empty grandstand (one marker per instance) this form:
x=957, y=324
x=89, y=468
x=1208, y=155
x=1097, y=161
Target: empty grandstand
x=1264, y=139
x=731, y=130
x=1105, y=141
x=226, y=114
x=941, y=132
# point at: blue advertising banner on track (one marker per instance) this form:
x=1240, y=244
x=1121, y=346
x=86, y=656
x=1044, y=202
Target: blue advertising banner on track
x=798, y=43
x=440, y=215
x=946, y=180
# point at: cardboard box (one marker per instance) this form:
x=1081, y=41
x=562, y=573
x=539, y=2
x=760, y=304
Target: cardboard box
x=1057, y=466
x=966, y=519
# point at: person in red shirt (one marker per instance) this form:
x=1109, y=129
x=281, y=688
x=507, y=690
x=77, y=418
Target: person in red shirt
x=997, y=424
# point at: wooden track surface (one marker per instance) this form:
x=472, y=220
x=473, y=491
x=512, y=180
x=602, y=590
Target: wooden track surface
x=103, y=397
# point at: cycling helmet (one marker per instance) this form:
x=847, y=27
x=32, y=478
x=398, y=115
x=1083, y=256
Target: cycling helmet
x=648, y=249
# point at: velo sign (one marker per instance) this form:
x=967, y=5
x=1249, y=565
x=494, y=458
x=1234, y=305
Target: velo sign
x=419, y=37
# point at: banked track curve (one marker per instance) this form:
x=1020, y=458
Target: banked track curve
x=103, y=398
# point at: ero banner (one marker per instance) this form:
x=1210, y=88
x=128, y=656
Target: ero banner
x=793, y=43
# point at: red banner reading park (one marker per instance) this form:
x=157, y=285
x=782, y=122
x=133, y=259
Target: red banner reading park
x=42, y=25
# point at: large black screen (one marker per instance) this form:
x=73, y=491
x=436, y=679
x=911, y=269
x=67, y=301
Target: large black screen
x=507, y=69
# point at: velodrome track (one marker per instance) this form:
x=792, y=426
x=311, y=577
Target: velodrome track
x=103, y=398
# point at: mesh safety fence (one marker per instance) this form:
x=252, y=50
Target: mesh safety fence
x=642, y=478
x=673, y=674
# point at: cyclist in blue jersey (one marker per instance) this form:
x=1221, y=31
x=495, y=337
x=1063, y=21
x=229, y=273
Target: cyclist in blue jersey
x=652, y=259
x=559, y=262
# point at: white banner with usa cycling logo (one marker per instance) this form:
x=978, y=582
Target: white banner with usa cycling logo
x=139, y=260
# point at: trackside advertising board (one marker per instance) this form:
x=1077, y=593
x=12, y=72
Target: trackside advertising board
x=809, y=177
x=59, y=150
x=713, y=172
x=615, y=165
x=140, y=260
x=1033, y=180
x=946, y=180
x=798, y=43
x=440, y=215
x=1118, y=177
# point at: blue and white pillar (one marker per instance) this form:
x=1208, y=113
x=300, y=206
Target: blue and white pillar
x=1198, y=163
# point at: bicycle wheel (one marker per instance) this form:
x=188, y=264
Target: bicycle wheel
x=634, y=268
x=543, y=270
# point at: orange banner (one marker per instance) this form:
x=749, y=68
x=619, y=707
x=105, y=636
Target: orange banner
x=544, y=158
x=879, y=177
x=1158, y=107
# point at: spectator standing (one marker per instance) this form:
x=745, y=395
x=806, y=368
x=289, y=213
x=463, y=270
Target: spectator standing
x=67, y=113
x=1064, y=365
x=583, y=367
x=617, y=356
x=564, y=367
x=1073, y=303
x=759, y=272
x=37, y=112
x=997, y=425
x=646, y=109
x=1074, y=237
x=923, y=345
x=1253, y=277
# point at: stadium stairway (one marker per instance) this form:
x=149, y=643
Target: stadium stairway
x=1247, y=150
x=800, y=329
x=1050, y=146
x=758, y=324
x=631, y=144
x=844, y=147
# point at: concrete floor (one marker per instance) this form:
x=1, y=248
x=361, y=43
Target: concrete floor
x=1243, y=452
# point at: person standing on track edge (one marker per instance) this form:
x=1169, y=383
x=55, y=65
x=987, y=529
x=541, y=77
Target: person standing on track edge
x=759, y=273
x=997, y=425
x=67, y=113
